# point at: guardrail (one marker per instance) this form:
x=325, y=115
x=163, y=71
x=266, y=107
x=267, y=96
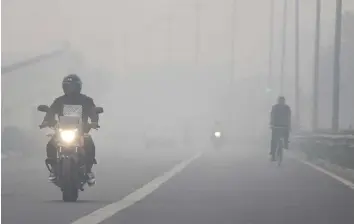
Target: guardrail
x=338, y=148
x=347, y=135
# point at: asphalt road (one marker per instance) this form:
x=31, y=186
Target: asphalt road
x=237, y=185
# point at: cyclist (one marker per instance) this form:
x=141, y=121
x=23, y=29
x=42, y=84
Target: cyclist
x=280, y=122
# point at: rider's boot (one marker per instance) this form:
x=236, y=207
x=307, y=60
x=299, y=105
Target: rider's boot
x=91, y=178
x=50, y=165
x=90, y=175
x=51, y=177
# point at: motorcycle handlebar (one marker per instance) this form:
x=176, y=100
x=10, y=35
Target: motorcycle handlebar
x=41, y=126
x=90, y=125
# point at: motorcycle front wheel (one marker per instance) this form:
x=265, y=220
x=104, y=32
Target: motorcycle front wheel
x=69, y=188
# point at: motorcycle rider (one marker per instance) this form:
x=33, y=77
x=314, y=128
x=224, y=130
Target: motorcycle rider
x=217, y=133
x=280, y=116
x=72, y=85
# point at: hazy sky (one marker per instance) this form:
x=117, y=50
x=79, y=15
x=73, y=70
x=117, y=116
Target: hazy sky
x=97, y=28
x=130, y=35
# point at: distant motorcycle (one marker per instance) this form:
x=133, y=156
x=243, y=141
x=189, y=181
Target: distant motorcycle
x=70, y=166
x=217, y=140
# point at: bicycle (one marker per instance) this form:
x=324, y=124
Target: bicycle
x=279, y=145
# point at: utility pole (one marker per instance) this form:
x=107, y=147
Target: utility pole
x=336, y=67
x=233, y=39
x=233, y=44
x=233, y=58
x=271, y=37
x=282, y=69
x=169, y=41
x=169, y=34
x=197, y=32
x=297, y=65
x=125, y=52
x=316, y=67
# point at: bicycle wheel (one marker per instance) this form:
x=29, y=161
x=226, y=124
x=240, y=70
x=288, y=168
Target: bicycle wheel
x=280, y=152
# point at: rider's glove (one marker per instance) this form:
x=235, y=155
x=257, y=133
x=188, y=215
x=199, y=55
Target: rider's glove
x=47, y=124
x=44, y=124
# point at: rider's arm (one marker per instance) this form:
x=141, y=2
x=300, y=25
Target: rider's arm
x=54, y=109
x=271, y=122
x=289, y=117
x=93, y=116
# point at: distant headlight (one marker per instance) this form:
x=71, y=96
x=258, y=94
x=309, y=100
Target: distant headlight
x=68, y=135
x=217, y=134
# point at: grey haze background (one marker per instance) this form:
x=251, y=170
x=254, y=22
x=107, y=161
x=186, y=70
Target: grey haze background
x=137, y=59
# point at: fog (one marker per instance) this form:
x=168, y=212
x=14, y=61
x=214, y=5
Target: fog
x=137, y=59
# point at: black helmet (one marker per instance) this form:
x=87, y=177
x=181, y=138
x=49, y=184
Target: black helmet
x=72, y=84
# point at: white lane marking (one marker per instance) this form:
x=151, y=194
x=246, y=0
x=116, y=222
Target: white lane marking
x=108, y=211
x=334, y=176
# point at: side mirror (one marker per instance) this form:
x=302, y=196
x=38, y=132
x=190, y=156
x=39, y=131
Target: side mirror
x=98, y=110
x=43, y=108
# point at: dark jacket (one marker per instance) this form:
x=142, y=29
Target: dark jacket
x=86, y=102
x=280, y=116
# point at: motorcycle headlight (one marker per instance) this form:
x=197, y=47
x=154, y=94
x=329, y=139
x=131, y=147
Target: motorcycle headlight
x=217, y=134
x=68, y=135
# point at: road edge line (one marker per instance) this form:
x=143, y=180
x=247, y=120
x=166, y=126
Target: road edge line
x=342, y=180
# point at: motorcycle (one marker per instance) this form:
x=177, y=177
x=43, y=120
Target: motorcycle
x=69, y=167
x=217, y=140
